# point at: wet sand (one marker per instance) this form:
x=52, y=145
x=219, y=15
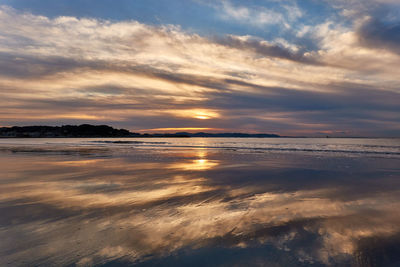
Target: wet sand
x=99, y=205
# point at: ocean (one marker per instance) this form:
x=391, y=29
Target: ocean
x=200, y=202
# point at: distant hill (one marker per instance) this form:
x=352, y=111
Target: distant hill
x=87, y=130
x=84, y=130
x=242, y=135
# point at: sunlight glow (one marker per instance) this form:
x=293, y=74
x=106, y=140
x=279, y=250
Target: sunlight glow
x=201, y=114
x=202, y=117
x=204, y=114
x=195, y=165
x=180, y=129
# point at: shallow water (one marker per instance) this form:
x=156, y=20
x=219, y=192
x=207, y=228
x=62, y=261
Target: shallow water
x=200, y=202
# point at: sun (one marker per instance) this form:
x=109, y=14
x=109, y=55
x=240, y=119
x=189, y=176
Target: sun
x=202, y=117
x=204, y=114
x=198, y=113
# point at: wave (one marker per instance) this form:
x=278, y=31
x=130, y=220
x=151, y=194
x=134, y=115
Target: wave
x=368, y=147
x=127, y=142
x=284, y=149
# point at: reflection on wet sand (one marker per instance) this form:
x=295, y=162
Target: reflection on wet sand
x=199, y=163
x=206, y=207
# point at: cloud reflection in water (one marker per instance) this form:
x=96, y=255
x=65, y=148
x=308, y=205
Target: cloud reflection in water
x=167, y=208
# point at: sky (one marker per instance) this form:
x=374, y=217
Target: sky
x=291, y=67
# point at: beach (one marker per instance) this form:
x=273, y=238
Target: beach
x=200, y=202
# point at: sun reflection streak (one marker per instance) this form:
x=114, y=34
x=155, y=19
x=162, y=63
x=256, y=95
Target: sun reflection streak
x=195, y=165
x=198, y=164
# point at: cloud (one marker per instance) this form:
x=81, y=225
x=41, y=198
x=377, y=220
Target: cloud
x=138, y=76
x=254, y=16
x=264, y=48
x=375, y=33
